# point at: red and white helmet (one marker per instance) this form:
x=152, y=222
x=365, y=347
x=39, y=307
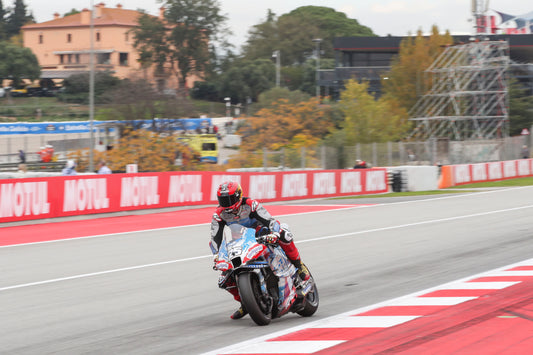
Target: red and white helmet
x=229, y=196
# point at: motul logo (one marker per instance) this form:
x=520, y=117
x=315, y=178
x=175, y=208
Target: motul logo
x=139, y=191
x=324, y=184
x=495, y=171
x=24, y=198
x=294, y=185
x=523, y=167
x=462, y=174
x=185, y=188
x=85, y=195
x=351, y=182
x=509, y=168
x=375, y=181
x=479, y=172
x=263, y=186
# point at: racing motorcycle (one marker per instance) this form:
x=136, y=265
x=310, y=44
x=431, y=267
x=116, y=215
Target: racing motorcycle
x=268, y=282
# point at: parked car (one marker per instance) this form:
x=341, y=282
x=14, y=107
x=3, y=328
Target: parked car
x=33, y=90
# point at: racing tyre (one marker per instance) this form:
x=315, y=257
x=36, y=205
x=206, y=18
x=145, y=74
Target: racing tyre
x=259, y=308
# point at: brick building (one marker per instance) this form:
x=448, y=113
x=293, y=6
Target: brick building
x=62, y=45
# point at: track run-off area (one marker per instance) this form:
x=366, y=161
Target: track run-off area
x=439, y=275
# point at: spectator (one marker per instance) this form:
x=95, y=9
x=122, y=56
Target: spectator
x=103, y=169
x=411, y=155
x=524, y=153
x=22, y=156
x=50, y=152
x=42, y=154
x=70, y=168
x=360, y=164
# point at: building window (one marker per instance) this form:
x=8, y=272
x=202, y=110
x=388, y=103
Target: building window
x=127, y=36
x=61, y=59
x=97, y=36
x=104, y=58
x=40, y=39
x=69, y=56
x=69, y=38
x=77, y=58
x=123, y=59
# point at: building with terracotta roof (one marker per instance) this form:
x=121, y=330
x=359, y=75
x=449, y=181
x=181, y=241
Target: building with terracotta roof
x=63, y=45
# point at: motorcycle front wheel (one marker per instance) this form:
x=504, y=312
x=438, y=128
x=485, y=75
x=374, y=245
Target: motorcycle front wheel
x=252, y=298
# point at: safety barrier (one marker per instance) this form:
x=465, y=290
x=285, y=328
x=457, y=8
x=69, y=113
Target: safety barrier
x=453, y=175
x=59, y=196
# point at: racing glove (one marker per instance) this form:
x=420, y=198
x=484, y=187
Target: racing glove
x=271, y=238
x=215, y=261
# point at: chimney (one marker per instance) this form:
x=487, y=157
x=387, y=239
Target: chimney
x=85, y=16
x=98, y=9
x=119, y=6
x=162, y=13
x=56, y=15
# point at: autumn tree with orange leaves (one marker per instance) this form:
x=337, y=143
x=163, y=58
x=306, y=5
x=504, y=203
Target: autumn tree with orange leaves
x=149, y=150
x=407, y=79
x=282, y=125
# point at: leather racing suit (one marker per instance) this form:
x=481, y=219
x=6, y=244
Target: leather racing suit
x=251, y=214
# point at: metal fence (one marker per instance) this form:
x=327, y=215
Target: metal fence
x=30, y=144
x=431, y=152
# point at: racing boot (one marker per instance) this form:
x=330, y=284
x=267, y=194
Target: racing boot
x=238, y=314
x=303, y=272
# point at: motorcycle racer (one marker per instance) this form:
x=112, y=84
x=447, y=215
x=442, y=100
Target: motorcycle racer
x=234, y=208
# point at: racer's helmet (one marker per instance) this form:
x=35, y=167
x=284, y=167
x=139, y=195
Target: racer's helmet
x=229, y=196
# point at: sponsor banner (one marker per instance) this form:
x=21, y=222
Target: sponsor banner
x=59, y=196
x=493, y=171
x=192, y=125
x=48, y=127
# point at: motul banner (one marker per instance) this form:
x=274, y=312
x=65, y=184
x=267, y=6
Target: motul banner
x=453, y=175
x=59, y=196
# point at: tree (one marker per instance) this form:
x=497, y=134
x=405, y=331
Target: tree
x=293, y=33
x=71, y=12
x=368, y=120
x=247, y=79
x=521, y=108
x=17, y=63
x=406, y=81
x=17, y=18
x=182, y=42
x=271, y=97
x=149, y=150
x=286, y=125
x=77, y=87
x=282, y=125
x=3, y=23
x=331, y=24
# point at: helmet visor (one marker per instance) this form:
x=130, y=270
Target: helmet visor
x=227, y=200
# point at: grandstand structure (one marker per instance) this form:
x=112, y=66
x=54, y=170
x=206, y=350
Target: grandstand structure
x=468, y=98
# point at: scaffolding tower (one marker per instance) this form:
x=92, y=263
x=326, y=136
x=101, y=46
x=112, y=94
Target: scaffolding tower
x=468, y=98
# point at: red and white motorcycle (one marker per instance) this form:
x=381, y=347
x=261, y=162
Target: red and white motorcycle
x=268, y=283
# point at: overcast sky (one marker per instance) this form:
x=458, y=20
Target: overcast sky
x=395, y=17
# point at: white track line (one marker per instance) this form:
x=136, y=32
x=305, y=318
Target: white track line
x=339, y=318
x=301, y=241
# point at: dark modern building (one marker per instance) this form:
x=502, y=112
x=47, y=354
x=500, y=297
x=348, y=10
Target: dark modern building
x=368, y=58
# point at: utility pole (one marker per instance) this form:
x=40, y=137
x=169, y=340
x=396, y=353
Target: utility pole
x=277, y=55
x=317, y=41
x=91, y=91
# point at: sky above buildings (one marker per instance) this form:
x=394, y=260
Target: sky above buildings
x=395, y=17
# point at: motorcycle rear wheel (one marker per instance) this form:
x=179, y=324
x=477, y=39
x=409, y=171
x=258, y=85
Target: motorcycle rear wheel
x=252, y=298
x=311, y=301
